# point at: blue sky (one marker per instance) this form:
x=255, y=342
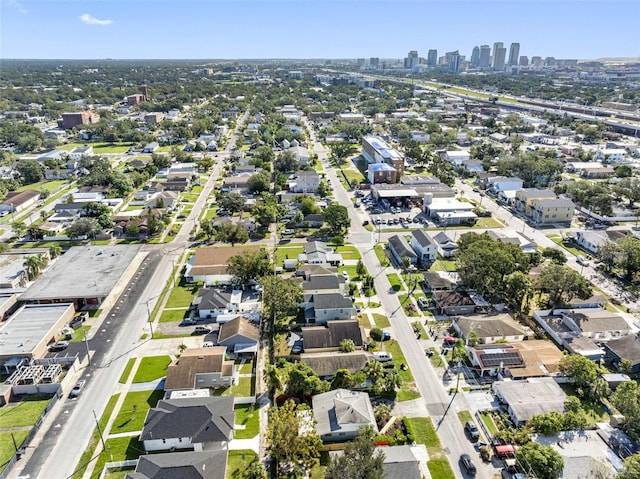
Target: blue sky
x=313, y=29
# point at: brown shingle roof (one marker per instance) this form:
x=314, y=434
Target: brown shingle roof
x=326, y=364
x=19, y=197
x=181, y=373
x=214, y=260
x=239, y=326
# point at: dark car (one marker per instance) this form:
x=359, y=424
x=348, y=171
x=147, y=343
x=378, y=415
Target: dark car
x=468, y=464
x=201, y=330
x=75, y=392
x=471, y=428
x=188, y=322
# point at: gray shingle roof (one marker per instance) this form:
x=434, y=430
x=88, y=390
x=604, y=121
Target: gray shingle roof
x=211, y=298
x=326, y=364
x=423, y=238
x=335, y=409
x=182, y=465
x=315, y=337
x=331, y=301
x=402, y=247
x=207, y=419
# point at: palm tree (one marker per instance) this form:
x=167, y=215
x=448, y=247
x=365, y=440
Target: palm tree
x=33, y=265
x=55, y=250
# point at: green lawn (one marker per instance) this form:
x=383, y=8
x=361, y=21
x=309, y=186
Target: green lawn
x=423, y=432
x=408, y=389
x=436, y=359
x=134, y=410
x=172, y=315
x=182, y=296
x=26, y=413
x=406, y=303
x=244, y=388
x=351, y=271
x=488, y=223
x=396, y=282
x=50, y=186
x=246, y=368
x=80, y=333
x=290, y=252
x=443, y=265
x=440, y=468
x=100, y=148
x=381, y=320
x=6, y=445
x=348, y=252
x=571, y=249
x=465, y=416
x=488, y=422
x=237, y=462
x=354, y=176
x=127, y=370
x=192, y=197
x=381, y=254
x=152, y=368
x=118, y=449
x=247, y=415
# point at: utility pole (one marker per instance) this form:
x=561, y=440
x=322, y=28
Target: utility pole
x=104, y=446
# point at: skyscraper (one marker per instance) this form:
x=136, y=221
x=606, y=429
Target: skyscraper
x=494, y=53
x=514, y=54
x=485, y=56
x=432, y=58
x=499, y=54
x=374, y=62
x=475, y=57
x=453, y=61
x=524, y=61
x=411, y=60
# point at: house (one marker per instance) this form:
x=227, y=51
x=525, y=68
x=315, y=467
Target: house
x=610, y=155
x=381, y=173
x=317, y=252
x=495, y=359
x=598, y=172
x=551, y=211
x=167, y=200
x=446, y=246
x=567, y=335
x=498, y=184
x=340, y=413
x=597, y=324
x=183, y=465
x=314, y=220
x=301, y=154
x=325, y=365
x=456, y=157
x=323, y=307
x=525, y=196
x=424, y=246
x=403, y=461
x=323, y=284
x=239, y=183
x=81, y=151
x=305, y=182
x=437, y=282
x=489, y=328
x=453, y=302
x=151, y=147
x=541, y=358
x=515, y=238
x=327, y=338
x=209, y=264
x=400, y=249
x=199, y=368
x=240, y=336
x=198, y=423
x=305, y=271
x=17, y=201
x=449, y=211
x=212, y=301
x=592, y=240
x=525, y=399
x=626, y=347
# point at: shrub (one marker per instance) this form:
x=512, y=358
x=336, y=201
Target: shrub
x=376, y=334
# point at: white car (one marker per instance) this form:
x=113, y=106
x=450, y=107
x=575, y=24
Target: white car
x=288, y=232
x=382, y=356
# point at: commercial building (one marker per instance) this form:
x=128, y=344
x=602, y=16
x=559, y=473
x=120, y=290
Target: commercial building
x=514, y=54
x=475, y=57
x=376, y=150
x=432, y=58
x=71, y=120
x=453, y=61
x=498, y=56
x=525, y=399
x=485, y=56
x=381, y=173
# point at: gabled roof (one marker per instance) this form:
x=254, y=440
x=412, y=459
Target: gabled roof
x=444, y=241
x=400, y=462
x=626, y=347
x=498, y=356
x=326, y=364
x=452, y=298
x=591, y=321
x=435, y=281
x=212, y=298
x=308, y=270
x=401, y=247
x=490, y=326
x=423, y=238
x=239, y=328
x=16, y=198
x=336, y=409
x=322, y=282
x=214, y=260
x=202, y=419
x=317, y=247
x=329, y=336
x=182, y=465
x=331, y=301
x=181, y=373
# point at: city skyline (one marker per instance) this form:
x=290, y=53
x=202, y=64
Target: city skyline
x=196, y=29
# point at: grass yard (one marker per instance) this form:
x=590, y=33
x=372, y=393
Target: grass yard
x=238, y=461
x=488, y=422
x=100, y=148
x=381, y=320
x=245, y=388
x=465, y=416
x=246, y=368
x=248, y=416
x=118, y=472
x=436, y=359
x=26, y=413
x=182, y=296
x=118, y=449
x=172, y=315
x=594, y=410
x=354, y=176
x=152, y=368
x=6, y=445
x=363, y=320
x=557, y=239
x=80, y=333
x=488, y=223
x=127, y=371
x=351, y=271
x=423, y=432
x=440, y=468
x=211, y=213
x=396, y=282
x=408, y=389
x=443, y=265
x=348, y=252
x=381, y=254
x=290, y=252
x=134, y=409
x=50, y=186
x=408, y=306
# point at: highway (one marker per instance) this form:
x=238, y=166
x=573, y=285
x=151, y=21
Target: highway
x=58, y=450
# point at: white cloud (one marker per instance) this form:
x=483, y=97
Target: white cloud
x=18, y=6
x=89, y=20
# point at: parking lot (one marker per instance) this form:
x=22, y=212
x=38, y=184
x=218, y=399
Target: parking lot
x=386, y=215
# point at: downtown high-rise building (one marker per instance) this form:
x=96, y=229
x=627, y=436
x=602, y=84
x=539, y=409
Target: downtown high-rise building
x=374, y=62
x=453, y=61
x=485, y=56
x=432, y=58
x=514, y=54
x=412, y=60
x=498, y=57
x=524, y=61
x=475, y=57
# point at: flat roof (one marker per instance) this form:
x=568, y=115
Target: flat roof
x=83, y=272
x=11, y=267
x=24, y=331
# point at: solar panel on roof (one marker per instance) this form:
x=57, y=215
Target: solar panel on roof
x=506, y=359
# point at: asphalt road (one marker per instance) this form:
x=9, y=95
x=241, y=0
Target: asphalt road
x=117, y=340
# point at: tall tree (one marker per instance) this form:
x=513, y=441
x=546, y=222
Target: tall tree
x=83, y=227
x=361, y=459
x=543, y=462
x=562, y=284
x=31, y=171
x=286, y=162
x=259, y=182
x=630, y=468
x=233, y=233
x=337, y=217
x=281, y=298
x=340, y=151
x=233, y=201
x=249, y=265
x=626, y=399
x=33, y=265
x=287, y=445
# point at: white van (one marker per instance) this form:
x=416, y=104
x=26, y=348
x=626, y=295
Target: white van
x=382, y=356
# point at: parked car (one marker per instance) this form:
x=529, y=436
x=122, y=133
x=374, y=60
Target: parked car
x=59, y=346
x=472, y=430
x=187, y=322
x=386, y=335
x=288, y=232
x=201, y=330
x=382, y=356
x=468, y=464
x=77, y=320
x=75, y=392
x=423, y=303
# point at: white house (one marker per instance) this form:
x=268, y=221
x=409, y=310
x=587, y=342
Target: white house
x=424, y=246
x=339, y=414
x=502, y=183
x=457, y=157
x=446, y=246
x=301, y=154
x=305, y=182
x=330, y=307
x=610, y=155
x=80, y=151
